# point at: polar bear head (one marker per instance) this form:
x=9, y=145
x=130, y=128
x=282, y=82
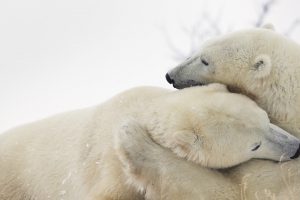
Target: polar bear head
x=257, y=62
x=215, y=128
x=158, y=173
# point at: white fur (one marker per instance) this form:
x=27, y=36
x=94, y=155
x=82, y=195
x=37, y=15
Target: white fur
x=72, y=156
x=159, y=174
x=274, y=85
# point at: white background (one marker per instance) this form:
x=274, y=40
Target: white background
x=64, y=54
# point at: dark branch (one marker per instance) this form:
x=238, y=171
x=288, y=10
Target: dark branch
x=266, y=7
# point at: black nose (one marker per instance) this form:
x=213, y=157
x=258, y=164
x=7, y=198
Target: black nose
x=171, y=81
x=297, y=153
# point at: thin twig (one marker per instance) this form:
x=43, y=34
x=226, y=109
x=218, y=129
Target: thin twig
x=266, y=7
x=292, y=27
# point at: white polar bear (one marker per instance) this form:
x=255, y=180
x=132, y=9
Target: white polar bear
x=263, y=65
x=160, y=174
x=71, y=155
x=259, y=63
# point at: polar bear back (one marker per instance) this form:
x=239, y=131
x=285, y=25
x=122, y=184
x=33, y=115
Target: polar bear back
x=63, y=152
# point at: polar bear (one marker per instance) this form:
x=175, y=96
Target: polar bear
x=175, y=179
x=259, y=63
x=72, y=156
x=160, y=174
x=263, y=65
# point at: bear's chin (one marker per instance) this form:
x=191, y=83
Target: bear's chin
x=187, y=84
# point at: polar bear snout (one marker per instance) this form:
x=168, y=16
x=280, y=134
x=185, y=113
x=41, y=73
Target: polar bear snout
x=296, y=154
x=286, y=145
x=169, y=79
x=182, y=84
x=189, y=74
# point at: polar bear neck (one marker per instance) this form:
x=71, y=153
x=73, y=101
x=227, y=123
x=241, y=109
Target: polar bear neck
x=281, y=100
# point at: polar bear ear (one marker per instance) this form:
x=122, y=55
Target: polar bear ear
x=262, y=66
x=136, y=150
x=269, y=26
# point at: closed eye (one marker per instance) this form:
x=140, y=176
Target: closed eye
x=196, y=138
x=204, y=62
x=256, y=146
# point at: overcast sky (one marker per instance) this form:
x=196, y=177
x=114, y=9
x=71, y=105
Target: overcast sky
x=65, y=54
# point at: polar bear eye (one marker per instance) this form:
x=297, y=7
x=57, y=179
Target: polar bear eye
x=204, y=62
x=196, y=138
x=258, y=64
x=256, y=146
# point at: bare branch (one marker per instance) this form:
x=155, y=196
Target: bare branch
x=177, y=54
x=292, y=27
x=208, y=26
x=266, y=7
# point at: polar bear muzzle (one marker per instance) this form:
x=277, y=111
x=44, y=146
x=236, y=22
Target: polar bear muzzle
x=283, y=144
x=184, y=84
x=296, y=154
